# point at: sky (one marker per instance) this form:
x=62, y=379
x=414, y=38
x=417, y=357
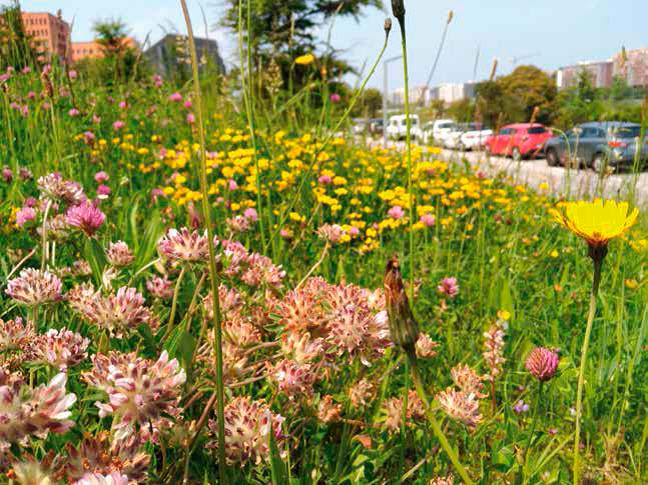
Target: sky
x=547, y=33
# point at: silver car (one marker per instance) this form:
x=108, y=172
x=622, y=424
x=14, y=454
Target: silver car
x=597, y=145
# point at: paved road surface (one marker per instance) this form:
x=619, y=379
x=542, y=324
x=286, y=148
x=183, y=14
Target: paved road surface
x=559, y=181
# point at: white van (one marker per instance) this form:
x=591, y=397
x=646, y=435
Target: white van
x=437, y=131
x=397, y=127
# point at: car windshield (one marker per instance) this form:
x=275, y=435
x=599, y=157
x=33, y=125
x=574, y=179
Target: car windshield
x=628, y=131
x=536, y=130
x=446, y=125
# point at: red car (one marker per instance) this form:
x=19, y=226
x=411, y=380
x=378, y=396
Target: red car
x=519, y=140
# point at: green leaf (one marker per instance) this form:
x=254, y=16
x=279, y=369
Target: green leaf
x=96, y=258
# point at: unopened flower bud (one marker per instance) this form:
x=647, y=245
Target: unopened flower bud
x=398, y=9
x=403, y=327
x=450, y=16
x=388, y=26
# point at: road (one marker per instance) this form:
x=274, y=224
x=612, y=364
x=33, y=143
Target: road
x=559, y=181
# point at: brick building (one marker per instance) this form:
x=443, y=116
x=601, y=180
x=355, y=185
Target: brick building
x=50, y=32
x=93, y=50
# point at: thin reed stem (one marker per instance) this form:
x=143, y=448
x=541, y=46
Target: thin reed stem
x=596, y=281
x=213, y=273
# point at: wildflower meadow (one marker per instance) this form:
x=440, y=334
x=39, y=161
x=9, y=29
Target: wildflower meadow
x=206, y=284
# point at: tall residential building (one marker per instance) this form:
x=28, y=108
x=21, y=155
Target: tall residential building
x=600, y=73
x=634, y=68
x=451, y=92
x=50, y=32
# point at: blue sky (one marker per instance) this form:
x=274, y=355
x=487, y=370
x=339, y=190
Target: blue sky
x=555, y=32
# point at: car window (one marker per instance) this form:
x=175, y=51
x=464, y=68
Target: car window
x=536, y=130
x=628, y=131
x=506, y=131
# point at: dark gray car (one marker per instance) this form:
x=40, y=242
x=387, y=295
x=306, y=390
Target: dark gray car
x=597, y=145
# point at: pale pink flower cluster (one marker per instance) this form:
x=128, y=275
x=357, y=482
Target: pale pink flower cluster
x=425, y=346
x=360, y=393
x=139, y=390
x=392, y=411
x=160, y=287
x=15, y=335
x=59, y=348
x=97, y=455
x=253, y=269
x=122, y=311
x=53, y=187
x=292, y=378
x=328, y=411
x=342, y=319
x=26, y=411
x=114, y=478
x=449, y=480
x=184, y=245
x=460, y=406
x=494, y=349
x=332, y=233
x=248, y=425
x=119, y=254
x=238, y=224
x=34, y=287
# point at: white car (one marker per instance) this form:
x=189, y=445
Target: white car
x=437, y=131
x=475, y=139
x=397, y=127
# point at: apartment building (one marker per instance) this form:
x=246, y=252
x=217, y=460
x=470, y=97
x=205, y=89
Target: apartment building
x=50, y=32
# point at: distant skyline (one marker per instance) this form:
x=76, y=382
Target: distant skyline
x=553, y=33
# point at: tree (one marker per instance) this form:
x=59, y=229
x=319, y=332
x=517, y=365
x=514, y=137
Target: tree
x=369, y=104
x=120, y=61
x=461, y=110
x=282, y=30
x=16, y=46
x=513, y=98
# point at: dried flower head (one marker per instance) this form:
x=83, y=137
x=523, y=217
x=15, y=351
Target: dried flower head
x=393, y=411
x=467, y=380
x=34, y=287
x=15, y=335
x=542, y=363
x=402, y=324
x=361, y=392
x=328, y=411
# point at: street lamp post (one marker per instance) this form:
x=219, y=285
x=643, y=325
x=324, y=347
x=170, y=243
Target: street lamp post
x=385, y=95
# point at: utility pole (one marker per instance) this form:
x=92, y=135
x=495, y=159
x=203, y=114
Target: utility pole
x=385, y=95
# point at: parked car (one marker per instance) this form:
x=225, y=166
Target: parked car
x=397, y=128
x=475, y=139
x=437, y=131
x=597, y=144
x=457, y=137
x=519, y=140
x=376, y=126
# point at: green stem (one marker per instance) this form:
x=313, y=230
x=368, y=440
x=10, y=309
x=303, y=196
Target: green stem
x=420, y=390
x=408, y=141
x=533, y=427
x=174, y=303
x=598, y=264
x=213, y=273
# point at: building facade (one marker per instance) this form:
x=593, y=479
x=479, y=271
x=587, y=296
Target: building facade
x=633, y=67
x=600, y=73
x=94, y=50
x=171, y=53
x=51, y=34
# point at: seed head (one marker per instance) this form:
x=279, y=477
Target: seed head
x=402, y=324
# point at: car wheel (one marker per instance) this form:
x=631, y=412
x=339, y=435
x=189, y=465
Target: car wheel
x=515, y=154
x=552, y=158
